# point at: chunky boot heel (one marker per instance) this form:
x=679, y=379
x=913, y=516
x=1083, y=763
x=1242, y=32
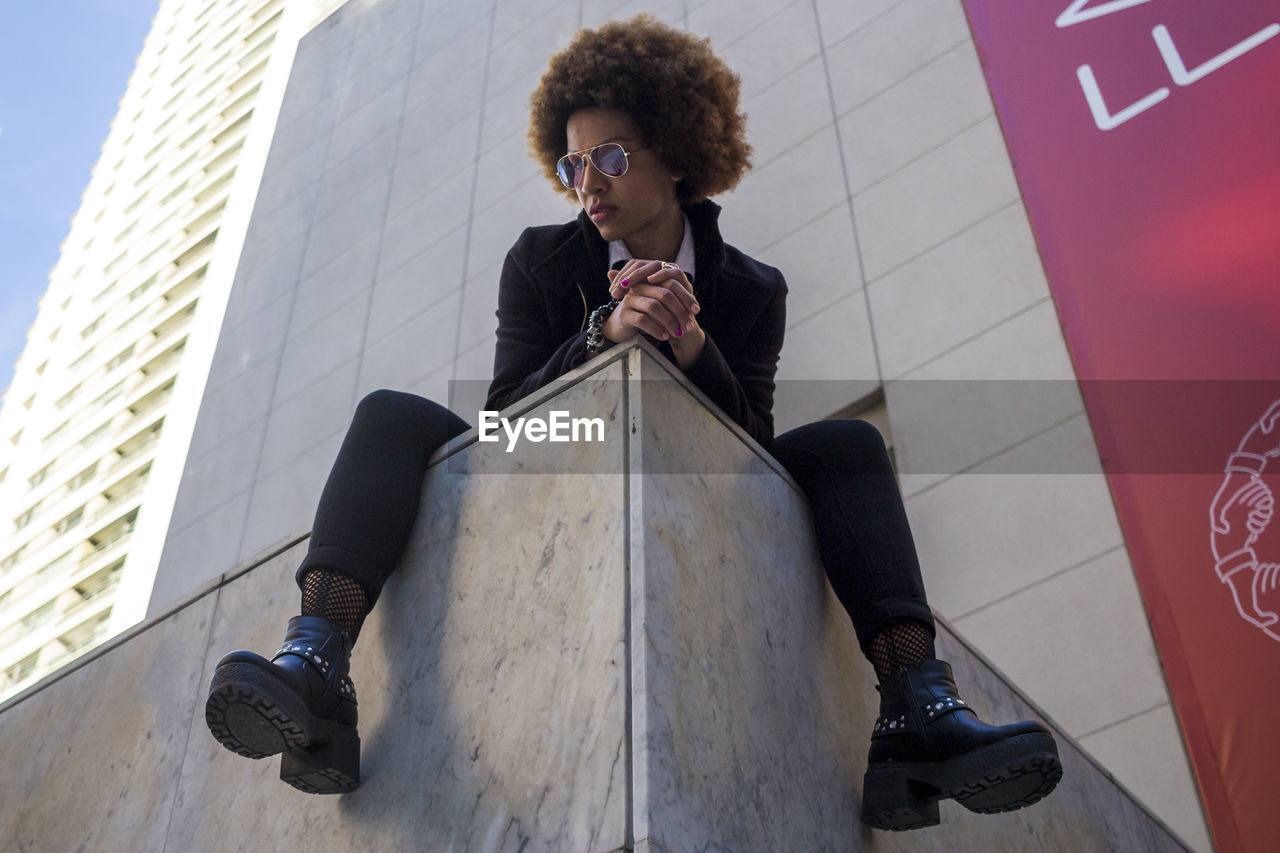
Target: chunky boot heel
x=928, y=745
x=891, y=800
x=300, y=703
x=327, y=768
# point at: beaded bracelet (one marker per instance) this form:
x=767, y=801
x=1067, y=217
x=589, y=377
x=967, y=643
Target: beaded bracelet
x=595, y=331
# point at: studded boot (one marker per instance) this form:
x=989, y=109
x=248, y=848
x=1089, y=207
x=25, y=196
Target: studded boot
x=300, y=703
x=929, y=745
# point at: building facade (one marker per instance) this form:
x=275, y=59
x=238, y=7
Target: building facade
x=397, y=178
x=99, y=414
x=882, y=187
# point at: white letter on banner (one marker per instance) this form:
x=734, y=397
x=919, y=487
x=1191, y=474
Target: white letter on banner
x=1179, y=71
x=1103, y=119
x=1073, y=15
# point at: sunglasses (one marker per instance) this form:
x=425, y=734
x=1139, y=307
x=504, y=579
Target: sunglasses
x=608, y=158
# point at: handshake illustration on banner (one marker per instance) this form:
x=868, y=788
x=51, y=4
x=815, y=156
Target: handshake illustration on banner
x=1241, y=511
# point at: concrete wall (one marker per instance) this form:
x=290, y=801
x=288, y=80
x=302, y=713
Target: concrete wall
x=397, y=180
x=666, y=670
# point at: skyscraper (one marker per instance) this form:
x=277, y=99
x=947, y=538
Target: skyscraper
x=97, y=420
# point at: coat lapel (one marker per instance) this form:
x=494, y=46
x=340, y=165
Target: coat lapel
x=577, y=268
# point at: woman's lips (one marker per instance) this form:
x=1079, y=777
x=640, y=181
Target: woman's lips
x=601, y=212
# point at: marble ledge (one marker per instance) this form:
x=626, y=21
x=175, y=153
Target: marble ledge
x=631, y=354
x=207, y=588
x=662, y=667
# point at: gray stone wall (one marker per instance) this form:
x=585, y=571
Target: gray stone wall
x=665, y=670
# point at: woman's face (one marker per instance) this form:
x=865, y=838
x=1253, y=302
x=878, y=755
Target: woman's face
x=636, y=207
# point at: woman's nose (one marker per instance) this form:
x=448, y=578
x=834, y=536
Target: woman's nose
x=592, y=178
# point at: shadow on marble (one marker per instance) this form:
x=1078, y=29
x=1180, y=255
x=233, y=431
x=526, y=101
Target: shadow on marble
x=745, y=665
x=752, y=704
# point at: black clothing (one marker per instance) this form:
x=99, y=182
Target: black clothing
x=542, y=316
x=863, y=534
x=370, y=501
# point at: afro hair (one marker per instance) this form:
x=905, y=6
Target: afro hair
x=680, y=96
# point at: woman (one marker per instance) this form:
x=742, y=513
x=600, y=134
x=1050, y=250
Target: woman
x=639, y=123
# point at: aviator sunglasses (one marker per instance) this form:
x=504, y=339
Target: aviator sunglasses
x=609, y=159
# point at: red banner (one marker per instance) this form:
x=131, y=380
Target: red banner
x=1145, y=135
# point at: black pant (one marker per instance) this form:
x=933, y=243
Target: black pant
x=863, y=535
x=370, y=502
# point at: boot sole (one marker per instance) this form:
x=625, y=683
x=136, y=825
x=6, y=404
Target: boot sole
x=255, y=715
x=1000, y=777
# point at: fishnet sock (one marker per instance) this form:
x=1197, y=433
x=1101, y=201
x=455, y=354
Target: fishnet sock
x=336, y=597
x=901, y=644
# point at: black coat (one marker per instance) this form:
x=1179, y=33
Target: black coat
x=555, y=276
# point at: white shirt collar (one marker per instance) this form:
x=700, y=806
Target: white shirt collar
x=684, y=258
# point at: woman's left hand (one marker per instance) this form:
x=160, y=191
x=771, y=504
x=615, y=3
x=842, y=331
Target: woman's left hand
x=671, y=277
x=642, y=274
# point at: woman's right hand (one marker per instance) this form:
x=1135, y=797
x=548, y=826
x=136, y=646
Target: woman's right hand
x=663, y=308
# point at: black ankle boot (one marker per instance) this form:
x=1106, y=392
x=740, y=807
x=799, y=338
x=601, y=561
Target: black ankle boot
x=300, y=702
x=928, y=745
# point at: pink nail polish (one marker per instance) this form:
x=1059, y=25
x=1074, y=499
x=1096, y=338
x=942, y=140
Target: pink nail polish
x=625, y=281
x=679, y=333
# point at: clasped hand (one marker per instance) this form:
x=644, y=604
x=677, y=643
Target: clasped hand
x=656, y=300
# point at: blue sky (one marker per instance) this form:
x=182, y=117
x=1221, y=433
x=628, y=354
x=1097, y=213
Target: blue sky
x=64, y=66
